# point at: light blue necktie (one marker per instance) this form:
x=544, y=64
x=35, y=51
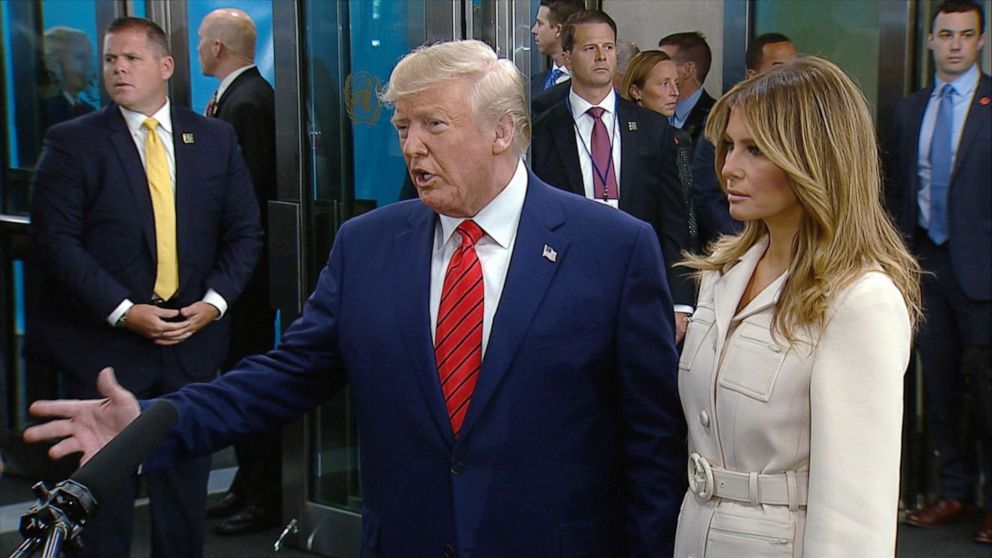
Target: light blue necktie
x=940, y=165
x=553, y=78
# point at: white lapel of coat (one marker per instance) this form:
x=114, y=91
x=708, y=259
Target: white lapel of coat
x=729, y=289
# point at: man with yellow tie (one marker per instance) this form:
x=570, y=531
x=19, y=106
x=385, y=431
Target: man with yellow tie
x=147, y=227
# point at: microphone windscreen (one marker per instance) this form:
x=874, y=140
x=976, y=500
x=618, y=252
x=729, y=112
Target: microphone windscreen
x=119, y=459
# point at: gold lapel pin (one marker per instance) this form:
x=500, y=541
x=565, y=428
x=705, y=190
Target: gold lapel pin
x=632, y=126
x=188, y=137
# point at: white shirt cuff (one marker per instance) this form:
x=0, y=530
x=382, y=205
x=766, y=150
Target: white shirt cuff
x=684, y=308
x=121, y=309
x=214, y=299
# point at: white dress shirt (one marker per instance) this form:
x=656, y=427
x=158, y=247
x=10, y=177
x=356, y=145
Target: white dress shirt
x=135, y=125
x=498, y=220
x=583, y=138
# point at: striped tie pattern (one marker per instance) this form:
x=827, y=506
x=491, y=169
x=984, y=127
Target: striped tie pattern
x=458, y=339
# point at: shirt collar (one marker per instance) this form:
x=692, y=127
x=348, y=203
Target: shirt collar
x=684, y=107
x=500, y=217
x=135, y=120
x=229, y=79
x=561, y=68
x=963, y=85
x=580, y=105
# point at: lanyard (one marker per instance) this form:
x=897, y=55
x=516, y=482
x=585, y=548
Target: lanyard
x=604, y=177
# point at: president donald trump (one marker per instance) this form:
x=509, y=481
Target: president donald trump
x=509, y=348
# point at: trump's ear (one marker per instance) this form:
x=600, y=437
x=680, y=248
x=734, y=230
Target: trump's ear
x=503, y=134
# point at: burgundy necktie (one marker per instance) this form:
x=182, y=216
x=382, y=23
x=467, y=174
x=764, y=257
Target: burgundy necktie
x=458, y=340
x=211, y=106
x=602, y=158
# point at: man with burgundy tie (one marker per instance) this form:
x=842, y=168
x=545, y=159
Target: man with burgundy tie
x=596, y=144
x=146, y=226
x=942, y=199
x=245, y=100
x=509, y=348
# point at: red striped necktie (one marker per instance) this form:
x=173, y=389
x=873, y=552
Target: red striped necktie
x=211, y=106
x=458, y=339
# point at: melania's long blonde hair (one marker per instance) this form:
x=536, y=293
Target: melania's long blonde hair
x=812, y=121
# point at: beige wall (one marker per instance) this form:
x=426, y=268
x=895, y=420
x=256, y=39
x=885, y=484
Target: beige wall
x=646, y=21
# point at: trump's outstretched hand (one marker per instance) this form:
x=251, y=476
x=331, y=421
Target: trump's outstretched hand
x=84, y=425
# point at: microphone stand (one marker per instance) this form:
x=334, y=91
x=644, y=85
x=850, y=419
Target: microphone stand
x=56, y=519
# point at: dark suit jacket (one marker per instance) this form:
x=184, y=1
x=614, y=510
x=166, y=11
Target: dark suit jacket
x=712, y=209
x=969, y=198
x=248, y=104
x=540, y=103
x=649, y=185
x=695, y=123
x=95, y=237
x=574, y=442
x=537, y=82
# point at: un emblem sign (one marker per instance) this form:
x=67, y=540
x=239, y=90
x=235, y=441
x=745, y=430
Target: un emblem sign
x=361, y=98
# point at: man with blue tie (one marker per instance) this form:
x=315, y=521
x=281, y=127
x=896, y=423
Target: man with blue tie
x=941, y=197
x=509, y=348
x=549, y=86
x=146, y=225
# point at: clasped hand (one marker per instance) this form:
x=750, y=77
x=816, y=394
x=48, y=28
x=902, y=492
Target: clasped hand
x=166, y=326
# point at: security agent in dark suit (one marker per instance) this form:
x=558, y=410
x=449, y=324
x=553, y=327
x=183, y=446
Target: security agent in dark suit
x=639, y=141
x=943, y=202
x=712, y=211
x=146, y=226
x=693, y=58
x=246, y=101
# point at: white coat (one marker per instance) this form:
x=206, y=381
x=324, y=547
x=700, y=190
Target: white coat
x=829, y=405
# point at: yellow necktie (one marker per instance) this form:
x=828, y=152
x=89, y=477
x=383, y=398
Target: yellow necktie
x=164, y=208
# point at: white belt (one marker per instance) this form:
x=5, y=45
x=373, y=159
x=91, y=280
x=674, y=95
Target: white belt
x=790, y=488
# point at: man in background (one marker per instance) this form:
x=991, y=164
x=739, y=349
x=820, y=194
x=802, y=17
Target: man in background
x=145, y=223
x=942, y=200
x=551, y=85
x=600, y=146
x=246, y=101
x=692, y=58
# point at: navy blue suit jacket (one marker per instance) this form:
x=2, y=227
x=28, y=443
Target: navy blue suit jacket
x=574, y=441
x=969, y=198
x=712, y=208
x=95, y=239
x=649, y=185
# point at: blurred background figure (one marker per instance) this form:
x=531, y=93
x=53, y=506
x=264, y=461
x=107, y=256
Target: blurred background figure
x=70, y=65
x=693, y=58
x=625, y=53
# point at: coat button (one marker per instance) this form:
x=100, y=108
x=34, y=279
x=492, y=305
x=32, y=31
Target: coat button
x=457, y=467
x=704, y=419
x=449, y=551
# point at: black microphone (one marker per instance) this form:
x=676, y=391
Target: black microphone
x=60, y=514
x=120, y=458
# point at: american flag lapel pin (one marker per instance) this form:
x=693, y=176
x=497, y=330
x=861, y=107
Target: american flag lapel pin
x=188, y=137
x=549, y=254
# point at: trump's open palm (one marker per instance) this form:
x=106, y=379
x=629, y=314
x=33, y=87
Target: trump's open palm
x=84, y=425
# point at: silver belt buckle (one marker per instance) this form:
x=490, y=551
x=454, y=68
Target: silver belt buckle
x=700, y=477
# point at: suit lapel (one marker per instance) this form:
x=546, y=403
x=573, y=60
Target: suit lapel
x=183, y=126
x=411, y=256
x=527, y=280
x=629, y=145
x=977, y=120
x=563, y=132
x=127, y=153
x=730, y=287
